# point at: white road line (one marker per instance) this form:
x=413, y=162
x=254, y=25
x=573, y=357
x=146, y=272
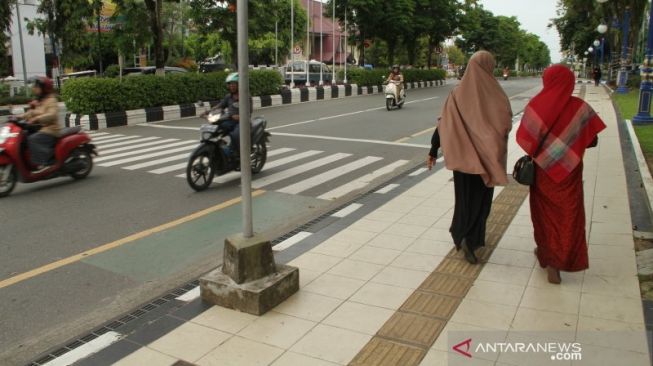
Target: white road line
x=104, y=138
x=277, y=177
x=190, y=295
x=171, y=127
x=158, y=162
x=144, y=139
x=291, y=241
x=273, y=164
x=343, y=115
x=87, y=349
x=95, y=134
x=328, y=175
x=363, y=181
x=347, y=210
x=387, y=188
x=100, y=143
x=136, y=146
x=279, y=151
x=333, y=138
x=136, y=152
x=147, y=156
x=417, y=172
x=170, y=168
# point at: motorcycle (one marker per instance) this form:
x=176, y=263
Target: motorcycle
x=505, y=75
x=73, y=155
x=392, y=99
x=214, y=157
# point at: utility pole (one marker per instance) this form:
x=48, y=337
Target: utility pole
x=22, y=47
x=244, y=120
x=99, y=35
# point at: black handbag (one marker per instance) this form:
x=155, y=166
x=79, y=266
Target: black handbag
x=524, y=170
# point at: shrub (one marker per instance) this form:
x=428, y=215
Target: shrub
x=378, y=76
x=99, y=95
x=112, y=71
x=15, y=100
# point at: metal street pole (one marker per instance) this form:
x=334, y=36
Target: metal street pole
x=646, y=87
x=345, y=81
x=333, y=45
x=623, y=73
x=276, y=36
x=308, y=41
x=244, y=120
x=22, y=47
x=99, y=37
x=321, y=45
x=292, y=43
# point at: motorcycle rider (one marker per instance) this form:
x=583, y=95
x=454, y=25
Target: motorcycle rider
x=230, y=102
x=397, y=77
x=44, y=112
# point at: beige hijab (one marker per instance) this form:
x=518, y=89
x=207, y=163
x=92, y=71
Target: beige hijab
x=476, y=121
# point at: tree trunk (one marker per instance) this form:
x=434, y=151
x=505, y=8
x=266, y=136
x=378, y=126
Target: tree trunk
x=154, y=9
x=361, y=58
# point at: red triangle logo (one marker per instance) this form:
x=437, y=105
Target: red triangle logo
x=464, y=347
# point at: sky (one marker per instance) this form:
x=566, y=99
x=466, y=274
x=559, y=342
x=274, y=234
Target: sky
x=534, y=17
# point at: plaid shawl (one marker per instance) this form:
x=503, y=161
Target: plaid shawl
x=573, y=124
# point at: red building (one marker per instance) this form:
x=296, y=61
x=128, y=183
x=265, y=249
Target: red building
x=324, y=30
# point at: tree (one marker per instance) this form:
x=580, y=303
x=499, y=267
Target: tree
x=479, y=29
x=5, y=27
x=434, y=19
x=456, y=56
x=154, y=9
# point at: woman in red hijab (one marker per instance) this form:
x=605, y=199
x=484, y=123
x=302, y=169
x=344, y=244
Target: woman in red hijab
x=556, y=197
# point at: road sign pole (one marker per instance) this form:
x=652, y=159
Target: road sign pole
x=245, y=118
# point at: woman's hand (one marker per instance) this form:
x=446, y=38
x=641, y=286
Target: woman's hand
x=430, y=162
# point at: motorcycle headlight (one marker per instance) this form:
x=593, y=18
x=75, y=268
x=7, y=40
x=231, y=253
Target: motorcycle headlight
x=207, y=131
x=5, y=133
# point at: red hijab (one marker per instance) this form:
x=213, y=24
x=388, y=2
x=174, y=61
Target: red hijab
x=572, y=122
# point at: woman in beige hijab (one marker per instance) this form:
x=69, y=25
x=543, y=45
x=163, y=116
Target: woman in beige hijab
x=473, y=130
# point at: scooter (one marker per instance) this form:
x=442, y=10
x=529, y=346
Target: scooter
x=505, y=75
x=73, y=155
x=392, y=99
x=214, y=157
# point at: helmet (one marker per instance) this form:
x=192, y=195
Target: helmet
x=232, y=78
x=45, y=84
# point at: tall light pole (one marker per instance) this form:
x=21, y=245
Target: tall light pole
x=333, y=45
x=308, y=41
x=646, y=87
x=292, y=44
x=245, y=137
x=623, y=73
x=321, y=46
x=276, y=35
x=345, y=81
x=22, y=46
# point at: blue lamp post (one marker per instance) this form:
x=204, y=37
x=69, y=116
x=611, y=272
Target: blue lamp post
x=623, y=73
x=646, y=87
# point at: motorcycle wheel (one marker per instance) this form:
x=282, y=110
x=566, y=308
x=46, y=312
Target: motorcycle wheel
x=200, y=172
x=388, y=104
x=258, y=157
x=8, y=185
x=85, y=157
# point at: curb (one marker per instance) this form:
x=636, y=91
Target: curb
x=645, y=173
x=179, y=111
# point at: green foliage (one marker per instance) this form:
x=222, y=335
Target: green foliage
x=456, y=56
x=112, y=71
x=15, y=100
x=378, y=76
x=99, y=95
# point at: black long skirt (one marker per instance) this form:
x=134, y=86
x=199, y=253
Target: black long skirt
x=473, y=204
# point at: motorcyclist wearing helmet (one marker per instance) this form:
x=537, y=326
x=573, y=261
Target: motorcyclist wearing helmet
x=44, y=112
x=397, y=77
x=230, y=104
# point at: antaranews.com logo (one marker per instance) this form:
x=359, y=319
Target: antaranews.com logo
x=557, y=351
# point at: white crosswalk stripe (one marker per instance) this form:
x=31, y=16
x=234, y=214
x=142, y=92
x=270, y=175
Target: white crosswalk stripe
x=277, y=177
x=95, y=134
x=362, y=182
x=148, y=164
x=147, y=156
x=171, y=168
x=130, y=142
x=104, y=138
x=315, y=181
x=132, y=147
x=100, y=143
x=136, y=152
x=271, y=165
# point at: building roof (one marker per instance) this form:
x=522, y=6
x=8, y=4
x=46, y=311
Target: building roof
x=327, y=22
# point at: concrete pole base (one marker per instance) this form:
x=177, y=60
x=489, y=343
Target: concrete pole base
x=249, y=281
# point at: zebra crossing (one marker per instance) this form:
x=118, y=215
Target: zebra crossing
x=288, y=170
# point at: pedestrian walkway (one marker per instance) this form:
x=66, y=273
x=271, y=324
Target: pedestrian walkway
x=324, y=175
x=389, y=290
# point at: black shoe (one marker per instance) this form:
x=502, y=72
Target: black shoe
x=469, y=253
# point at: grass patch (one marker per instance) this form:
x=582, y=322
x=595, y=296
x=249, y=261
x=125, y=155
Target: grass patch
x=628, y=104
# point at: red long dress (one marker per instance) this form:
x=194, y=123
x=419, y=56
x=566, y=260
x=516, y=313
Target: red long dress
x=558, y=215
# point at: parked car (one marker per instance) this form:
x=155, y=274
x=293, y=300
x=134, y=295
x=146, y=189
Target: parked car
x=150, y=70
x=298, y=72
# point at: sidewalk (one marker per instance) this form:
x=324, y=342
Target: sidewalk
x=389, y=290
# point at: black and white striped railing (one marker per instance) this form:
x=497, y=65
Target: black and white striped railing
x=175, y=112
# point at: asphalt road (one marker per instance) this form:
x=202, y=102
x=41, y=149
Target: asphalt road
x=324, y=154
